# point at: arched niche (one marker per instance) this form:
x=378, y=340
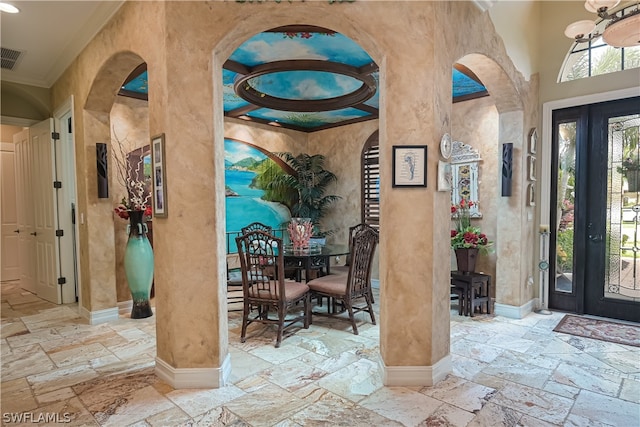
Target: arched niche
x=465, y=171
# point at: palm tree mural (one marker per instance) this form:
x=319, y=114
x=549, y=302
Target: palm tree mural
x=309, y=182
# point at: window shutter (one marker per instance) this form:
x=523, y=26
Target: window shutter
x=371, y=183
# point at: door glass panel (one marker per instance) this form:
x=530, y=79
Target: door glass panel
x=623, y=209
x=565, y=206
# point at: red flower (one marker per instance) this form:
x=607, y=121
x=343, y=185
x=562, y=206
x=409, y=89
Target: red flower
x=466, y=235
x=122, y=212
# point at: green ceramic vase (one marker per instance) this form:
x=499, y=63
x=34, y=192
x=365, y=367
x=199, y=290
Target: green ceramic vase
x=138, y=265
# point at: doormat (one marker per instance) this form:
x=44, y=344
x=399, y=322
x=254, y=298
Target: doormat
x=604, y=330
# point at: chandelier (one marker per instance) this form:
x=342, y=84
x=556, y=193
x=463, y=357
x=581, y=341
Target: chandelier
x=622, y=30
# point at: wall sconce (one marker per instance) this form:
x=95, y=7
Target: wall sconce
x=507, y=168
x=102, y=170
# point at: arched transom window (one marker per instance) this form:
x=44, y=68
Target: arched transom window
x=595, y=57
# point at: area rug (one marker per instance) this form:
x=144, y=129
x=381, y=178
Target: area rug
x=604, y=330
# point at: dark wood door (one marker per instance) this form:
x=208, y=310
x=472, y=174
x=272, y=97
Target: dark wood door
x=595, y=239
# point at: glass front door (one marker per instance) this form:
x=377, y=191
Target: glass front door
x=595, y=238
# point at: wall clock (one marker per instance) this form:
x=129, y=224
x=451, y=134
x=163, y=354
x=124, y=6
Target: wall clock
x=445, y=146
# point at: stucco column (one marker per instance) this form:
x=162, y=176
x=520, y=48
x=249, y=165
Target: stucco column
x=98, y=288
x=513, y=259
x=415, y=286
x=414, y=237
x=189, y=244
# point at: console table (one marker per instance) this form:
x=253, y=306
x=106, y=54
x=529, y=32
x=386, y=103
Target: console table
x=474, y=289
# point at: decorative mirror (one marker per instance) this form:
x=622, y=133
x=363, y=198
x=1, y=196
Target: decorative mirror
x=464, y=167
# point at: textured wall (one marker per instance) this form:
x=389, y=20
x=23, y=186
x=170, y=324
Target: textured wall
x=476, y=123
x=415, y=86
x=130, y=124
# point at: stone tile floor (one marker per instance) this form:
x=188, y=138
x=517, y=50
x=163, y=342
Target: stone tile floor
x=506, y=372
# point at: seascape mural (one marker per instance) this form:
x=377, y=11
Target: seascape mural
x=247, y=172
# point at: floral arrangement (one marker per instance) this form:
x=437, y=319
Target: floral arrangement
x=122, y=210
x=300, y=230
x=465, y=235
x=131, y=176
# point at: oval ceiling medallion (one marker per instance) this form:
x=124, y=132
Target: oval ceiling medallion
x=268, y=84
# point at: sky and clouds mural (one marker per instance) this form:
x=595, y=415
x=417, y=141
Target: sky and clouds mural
x=269, y=64
x=273, y=46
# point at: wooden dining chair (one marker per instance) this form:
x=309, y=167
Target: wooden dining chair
x=356, y=284
x=266, y=291
x=344, y=269
x=256, y=226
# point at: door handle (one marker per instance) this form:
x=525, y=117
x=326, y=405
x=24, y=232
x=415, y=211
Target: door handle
x=34, y=233
x=16, y=231
x=594, y=237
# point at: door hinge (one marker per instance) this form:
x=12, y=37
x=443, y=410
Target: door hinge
x=62, y=280
x=57, y=184
x=59, y=233
x=55, y=135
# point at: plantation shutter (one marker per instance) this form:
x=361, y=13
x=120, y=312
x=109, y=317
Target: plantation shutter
x=371, y=182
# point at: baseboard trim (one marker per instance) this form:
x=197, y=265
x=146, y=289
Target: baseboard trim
x=409, y=376
x=99, y=316
x=512, y=311
x=124, y=307
x=179, y=378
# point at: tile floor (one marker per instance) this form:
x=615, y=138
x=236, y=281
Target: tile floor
x=506, y=373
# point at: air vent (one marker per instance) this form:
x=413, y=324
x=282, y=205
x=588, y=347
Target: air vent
x=10, y=58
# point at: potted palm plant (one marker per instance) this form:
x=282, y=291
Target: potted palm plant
x=308, y=185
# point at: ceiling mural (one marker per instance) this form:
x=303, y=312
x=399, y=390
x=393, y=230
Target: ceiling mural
x=304, y=78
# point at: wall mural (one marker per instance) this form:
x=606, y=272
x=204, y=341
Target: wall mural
x=247, y=172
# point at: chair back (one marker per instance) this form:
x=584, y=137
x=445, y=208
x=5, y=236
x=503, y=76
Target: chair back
x=262, y=265
x=256, y=226
x=362, y=249
x=353, y=230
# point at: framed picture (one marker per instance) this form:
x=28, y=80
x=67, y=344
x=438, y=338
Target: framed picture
x=531, y=168
x=531, y=194
x=159, y=177
x=533, y=141
x=445, y=176
x=409, y=166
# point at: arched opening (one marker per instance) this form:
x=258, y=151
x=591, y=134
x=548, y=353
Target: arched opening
x=122, y=123
x=486, y=123
x=316, y=99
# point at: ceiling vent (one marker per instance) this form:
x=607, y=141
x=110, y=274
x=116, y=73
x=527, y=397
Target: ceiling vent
x=10, y=58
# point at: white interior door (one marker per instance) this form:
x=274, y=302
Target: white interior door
x=25, y=210
x=10, y=261
x=45, y=212
x=66, y=200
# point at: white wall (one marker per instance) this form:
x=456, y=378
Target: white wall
x=517, y=22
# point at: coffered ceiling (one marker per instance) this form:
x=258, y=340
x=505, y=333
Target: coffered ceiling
x=297, y=77
x=304, y=78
